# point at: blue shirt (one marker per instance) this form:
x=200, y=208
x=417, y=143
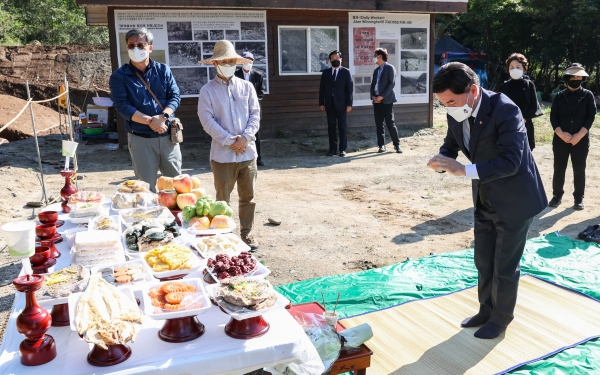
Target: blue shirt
x=129, y=94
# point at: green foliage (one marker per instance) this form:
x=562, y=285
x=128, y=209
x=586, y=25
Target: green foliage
x=550, y=33
x=51, y=22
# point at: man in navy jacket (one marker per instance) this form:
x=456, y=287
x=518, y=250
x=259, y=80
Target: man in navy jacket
x=384, y=97
x=335, y=97
x=507, y=189
x=146, y=122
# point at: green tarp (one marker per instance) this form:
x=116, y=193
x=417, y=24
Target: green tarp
x=573, y=264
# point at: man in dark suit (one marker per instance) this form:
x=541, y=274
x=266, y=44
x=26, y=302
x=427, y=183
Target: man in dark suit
x=256, y=79
x=506, y=186
x=383, y=96
x=335, y=97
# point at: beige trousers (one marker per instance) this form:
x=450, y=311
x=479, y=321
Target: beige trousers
x=226, y=175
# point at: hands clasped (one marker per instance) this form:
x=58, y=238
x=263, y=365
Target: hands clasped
x=239, y=146
x=158, y=124
x=440, y=163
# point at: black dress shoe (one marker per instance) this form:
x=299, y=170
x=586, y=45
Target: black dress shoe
x=398, y=149
x=578, y=204
x=331, y=153
x=342, y=153
x=260, y=163
x=381, y=149
x=586, y=232
x=555, y=201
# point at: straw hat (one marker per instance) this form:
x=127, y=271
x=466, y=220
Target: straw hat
x=224, y=50
x=575, y=71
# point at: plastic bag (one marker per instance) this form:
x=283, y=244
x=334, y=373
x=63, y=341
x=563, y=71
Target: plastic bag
x=356, y=336
x=323, y=336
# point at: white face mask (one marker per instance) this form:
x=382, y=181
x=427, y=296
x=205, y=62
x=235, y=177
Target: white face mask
x=516, y=73
x=137, y=55
x=374, y=60
x=247, y=66
x=460, y=114
x=226, y=71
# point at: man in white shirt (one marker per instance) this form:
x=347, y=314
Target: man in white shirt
x=229, y=112
x=255, y=77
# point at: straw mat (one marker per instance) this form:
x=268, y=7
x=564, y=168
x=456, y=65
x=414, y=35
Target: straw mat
x=424, y=337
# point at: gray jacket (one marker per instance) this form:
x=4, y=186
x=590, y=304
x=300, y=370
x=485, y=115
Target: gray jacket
x=387, y=81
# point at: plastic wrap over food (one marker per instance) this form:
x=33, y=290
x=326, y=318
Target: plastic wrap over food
x=326, y=340
x=356, y=336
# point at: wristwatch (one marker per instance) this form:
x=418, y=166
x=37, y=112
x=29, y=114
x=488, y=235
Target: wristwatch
x=166, y=115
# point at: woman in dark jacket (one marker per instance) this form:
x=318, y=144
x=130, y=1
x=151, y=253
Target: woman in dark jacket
x=522, y=92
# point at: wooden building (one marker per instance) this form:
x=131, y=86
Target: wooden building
x=291, y=105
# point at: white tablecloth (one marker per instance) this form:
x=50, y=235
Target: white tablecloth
x=212, y=353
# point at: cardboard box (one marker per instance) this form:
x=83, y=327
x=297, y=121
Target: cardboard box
x=97, y=114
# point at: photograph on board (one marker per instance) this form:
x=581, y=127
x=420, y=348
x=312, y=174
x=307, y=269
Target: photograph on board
x=190, y=80
x=413, y=83
x=232, y=35
x=208, y=47
x=413, y=61
x=179, y=31
x=185, y=54
x=413, y=38
x=253, y=30
x=257, y=49
x=217, y=35
x=200, y=34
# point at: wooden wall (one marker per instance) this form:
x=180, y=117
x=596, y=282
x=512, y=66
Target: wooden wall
x=292, y=105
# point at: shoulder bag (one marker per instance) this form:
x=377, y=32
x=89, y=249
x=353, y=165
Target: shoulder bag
x=176, y=126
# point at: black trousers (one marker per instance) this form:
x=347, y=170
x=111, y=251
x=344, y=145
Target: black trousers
x=530, y=133
x=257, y=142
x=336, y=123
x=498, y=249
x=578, y=154
x=385, y=112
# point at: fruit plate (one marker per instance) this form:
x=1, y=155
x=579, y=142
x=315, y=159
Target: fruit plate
x=259, y=272
x=197, y=263
x=159, y=314
x=73, y=300
x=240, y=312
x=155, y=213
x=147, y=276
x=207, y=232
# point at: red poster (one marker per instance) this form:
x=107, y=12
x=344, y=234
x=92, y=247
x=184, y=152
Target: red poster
x=364, y=45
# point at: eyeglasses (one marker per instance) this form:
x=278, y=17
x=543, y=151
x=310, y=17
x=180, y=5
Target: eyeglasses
x=139, y=45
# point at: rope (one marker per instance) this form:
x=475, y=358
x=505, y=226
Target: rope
x=25, y=107
x=14, y=119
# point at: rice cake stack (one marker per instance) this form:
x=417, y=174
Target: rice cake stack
x=98, y=247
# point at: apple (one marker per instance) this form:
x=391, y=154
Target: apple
x=200, y=192
x=195, y=182
x=167, y=198
x=164, y=183
x=200, y=223
x=183, y=183
x=186, y=199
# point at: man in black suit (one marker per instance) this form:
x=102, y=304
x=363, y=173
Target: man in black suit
x=256, y=79
x=506, y=186
x=335, y=97
x=383, y=96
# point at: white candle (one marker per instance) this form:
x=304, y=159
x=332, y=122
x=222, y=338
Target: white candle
x=26, y=266
x=66, y=163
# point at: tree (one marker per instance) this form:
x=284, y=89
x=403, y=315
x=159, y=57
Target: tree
x=51, y=22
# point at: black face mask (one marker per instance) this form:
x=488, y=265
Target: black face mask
x=574, y=84
x=335, y=63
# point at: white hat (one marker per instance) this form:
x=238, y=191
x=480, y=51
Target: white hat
x=575, y=71
x=224, y=50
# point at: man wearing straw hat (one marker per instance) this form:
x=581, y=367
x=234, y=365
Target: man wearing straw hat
x=146, y=120
x=571, y=116
x=229, y=111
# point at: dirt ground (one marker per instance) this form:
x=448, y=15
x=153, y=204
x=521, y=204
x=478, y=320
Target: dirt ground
x=46, y=119
x=338, y=215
